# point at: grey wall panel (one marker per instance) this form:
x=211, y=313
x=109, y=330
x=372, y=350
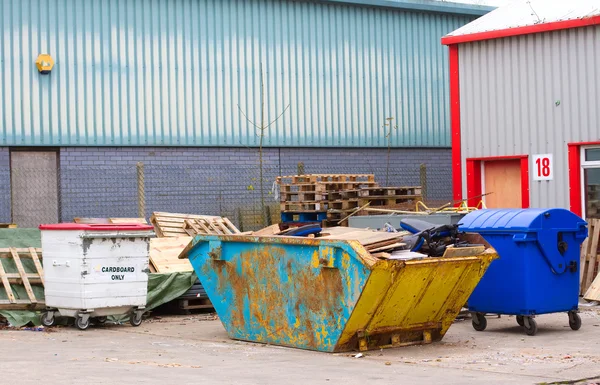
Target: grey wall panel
x=529, y=95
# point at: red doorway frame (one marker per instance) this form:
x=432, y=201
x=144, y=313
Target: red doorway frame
x=575, y=202
x=474, y=177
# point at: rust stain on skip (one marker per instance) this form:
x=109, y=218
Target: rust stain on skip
x=273, y=290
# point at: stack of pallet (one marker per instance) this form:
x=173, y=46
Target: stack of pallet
x=342, y=203
x=304, y=198
x=332, y=197
x=590, y=260
x=21, y=279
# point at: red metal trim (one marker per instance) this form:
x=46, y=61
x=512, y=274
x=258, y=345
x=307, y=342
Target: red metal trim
x=455, y=124
x=575, y=203
x=507, y=157
x=593, y=143
x=518, y=31
x=97, y=227
x=474, y=177
x=525, y=182
x=473, y=181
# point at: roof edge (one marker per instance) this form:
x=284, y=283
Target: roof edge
x=518, y=31
x=421, y=5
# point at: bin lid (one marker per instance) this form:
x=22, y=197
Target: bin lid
x=520, y=220
x=97, y=227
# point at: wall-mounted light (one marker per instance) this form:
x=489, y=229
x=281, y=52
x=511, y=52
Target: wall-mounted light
x=44, y=63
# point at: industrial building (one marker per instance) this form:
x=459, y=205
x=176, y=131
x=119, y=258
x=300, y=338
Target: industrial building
x=88, y=89
x=525, y=91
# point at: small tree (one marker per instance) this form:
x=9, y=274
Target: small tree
x=389, y=127
x=261, y=129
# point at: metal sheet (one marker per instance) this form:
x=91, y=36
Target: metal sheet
x=531, y=95
x=180, y=73
x=518, y=14
x=330, y=295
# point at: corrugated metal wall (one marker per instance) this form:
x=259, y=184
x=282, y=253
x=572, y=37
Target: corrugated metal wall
x=173, y=72
x=531, y=95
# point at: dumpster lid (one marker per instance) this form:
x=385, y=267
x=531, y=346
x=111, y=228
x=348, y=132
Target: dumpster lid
x=520, y=220
x=97, y=227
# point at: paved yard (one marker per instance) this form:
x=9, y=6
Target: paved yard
x=195, y=349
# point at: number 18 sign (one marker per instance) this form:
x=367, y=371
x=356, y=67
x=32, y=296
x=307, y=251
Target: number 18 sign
x=542, y=167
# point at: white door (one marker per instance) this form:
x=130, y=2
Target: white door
x=590, y=164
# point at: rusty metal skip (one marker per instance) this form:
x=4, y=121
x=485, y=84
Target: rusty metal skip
x=330, y=296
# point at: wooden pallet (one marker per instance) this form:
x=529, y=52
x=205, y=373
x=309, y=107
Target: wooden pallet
x=8, y=226
x=164, y=254
x=303, y=206
x=28, y=276
x=171, y=224
x=312, y=178
x=589, y=256
x=342, y=195
x=377, y=201
x=216, y=226
x=343, y=204
x=194, y=304
x=302, y=196
x=390, y=191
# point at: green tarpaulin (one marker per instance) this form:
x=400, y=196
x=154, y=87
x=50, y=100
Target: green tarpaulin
x=20, y=238
x=162, y=288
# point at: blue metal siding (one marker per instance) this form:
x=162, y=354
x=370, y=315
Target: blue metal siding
x=158, y=72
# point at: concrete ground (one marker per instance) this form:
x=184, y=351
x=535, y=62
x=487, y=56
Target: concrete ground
x=195, y=349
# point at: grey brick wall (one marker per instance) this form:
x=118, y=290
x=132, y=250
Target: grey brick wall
x=4, y=185
x=101, y=182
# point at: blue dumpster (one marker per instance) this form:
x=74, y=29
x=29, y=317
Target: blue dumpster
x=538, y=268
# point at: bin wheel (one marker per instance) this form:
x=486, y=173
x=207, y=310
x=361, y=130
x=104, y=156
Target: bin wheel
x=81, y=323
x=574, y=320
x=101, y=320
x=520, y=320
x=530, y=326
x=48, y=319
x=479, y=322
x=135, y=319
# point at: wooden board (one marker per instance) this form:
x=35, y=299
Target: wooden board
x=589, y=258
x=27, y=279
x=164, y=254
x=141, y=221
x=503, y=179
x=268, y=231
x=215, y=226
x=171, y=224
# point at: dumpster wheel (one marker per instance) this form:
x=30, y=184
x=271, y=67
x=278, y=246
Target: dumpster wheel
x=135, y=318
x=82, y=322
x=520, y=321
x=48, y=318
x=479, y=321
x=574, y=320
x=530, y=326
x=101, y=320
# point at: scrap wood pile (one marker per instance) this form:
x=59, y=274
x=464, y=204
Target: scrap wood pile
x=590, y=262
x=174, y=232
x=21, y=279
x=333, y=197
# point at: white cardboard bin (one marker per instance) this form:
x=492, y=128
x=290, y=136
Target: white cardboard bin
x=93, y=271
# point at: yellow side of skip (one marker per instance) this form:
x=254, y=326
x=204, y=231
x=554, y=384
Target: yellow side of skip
x=412, y=302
